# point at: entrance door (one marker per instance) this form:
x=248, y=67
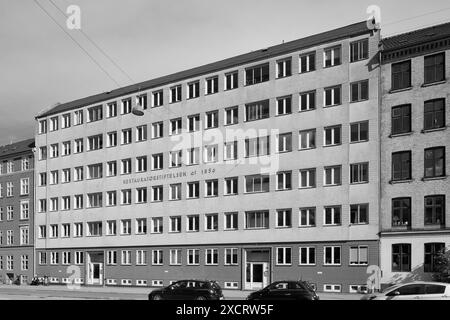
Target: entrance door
x=94, y=274
x=257, y=275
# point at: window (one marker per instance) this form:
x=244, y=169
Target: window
x=94, y=229
x=78, y=174
x=332, y=216
x=95, y=114
x=231, y=256
x=231, y=115
x=359, y=213
x=95, y=142
x=111, y=198
x=193, y=156
x=230, y=150
x=141, y=133
x=359, y=131
x=141, y=195
x=307, y=62
x=111, y=257
x=175, y=126
x=212, y=85
x=284, y=68
x=65, y=258
x=54, y=151
x=212, y=119
x=157, y=257
x=307, y=217
x=193, y=223
x=284, y=180
x=141, y=100
x=401, y=212
x=9, y=189
x=42, y=180
x=175, y=94
x=332, y=96
x=434, y=162
x=53, y=231
x=125, y=197
x=359, y=172
x=42, y=126
x=231, y=221
x=359, y=50
x=141, y=164
x=24, y=235
x=257, y=74
x=65, y=205
x=257, y=183
x=24, y=210
x=332, y=57
x=401, y=119
x=43, y=153
x=231, y=80
x=432, y=250
x=212, y=256
x=359, y=91
x=401, y=75
x=126, y=257
x=54, y=122
x=54, y=204
x=193, y=257
x=401, y=257
x=284, y=105
x=157, y=193
x=78, y=201
x=175, y=191
x=54, y=177
x=157, y=161
x=111, y=110
x=434, y=114
x=111, y=228
x=193, y=90
x=25, y=164
x=111, y=168
x=401, y=166
x=78, y=229
x=211, y=188
x=157, y=98
x=65, y=175
x=284, y=142
x=9, y=213
x=284, y=218
x=94, y=200
x=24, y=186
x=332, y=255
x=307, y=178
x=231, y=186
x=257, y=110
x=307, y=139
x=175, y=256
x=65, y=121
x=157, y=225
x=211, y=153
x=126, y=136
x=434, y=68
x=125, y=227
x=193, y=190
x=307, y=255
x=175, y=224
x=256, y=147
x=211, y=222
x=157, y=130
x=284, y=256
x=78, y=117
x=257, y=220
x=126, y=106
x=95, y=171
x=193, y=123
x=79, y=257
x=54, y=257
x=175, y=158
x=435, y=210
x=79, y=148
x=332, y=176
x=307, y=101
x=125, y=167
x=42, y=205
x=332, y=136
x=42, y=258
x=359, y=255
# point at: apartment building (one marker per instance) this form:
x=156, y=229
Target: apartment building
x=415, y=146
x=256, y=168
x=16, y=211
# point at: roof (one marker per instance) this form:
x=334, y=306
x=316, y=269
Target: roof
x=299, y=44
x=17, y=147
x=417, y=36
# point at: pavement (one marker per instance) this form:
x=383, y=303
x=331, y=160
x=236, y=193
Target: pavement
x=63, y=292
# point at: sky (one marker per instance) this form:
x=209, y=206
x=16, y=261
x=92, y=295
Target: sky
x=40, y=65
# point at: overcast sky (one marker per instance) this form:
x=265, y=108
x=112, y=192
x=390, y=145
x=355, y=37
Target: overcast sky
x=40, y=65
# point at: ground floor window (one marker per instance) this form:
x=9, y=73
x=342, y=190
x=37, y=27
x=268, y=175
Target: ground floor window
x=431, y=252
x=401, y=257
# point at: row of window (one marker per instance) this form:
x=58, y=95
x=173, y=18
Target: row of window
x=24, y=236
x=24, y=188
x=7, y=167
x=402, y=255
x=24, y=209
x=7, y=263
x=434, y=71
x=433, y=117
x=359, y=214
x=252, y=75
x=434, y=211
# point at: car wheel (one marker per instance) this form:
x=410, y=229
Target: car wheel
x=157, y=297
x=200, y=298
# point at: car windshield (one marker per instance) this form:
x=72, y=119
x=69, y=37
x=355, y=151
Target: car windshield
x=391, y=288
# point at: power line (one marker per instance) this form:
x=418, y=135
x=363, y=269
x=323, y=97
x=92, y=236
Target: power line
x=97, y=46
x=76, y=42
x=411, y=18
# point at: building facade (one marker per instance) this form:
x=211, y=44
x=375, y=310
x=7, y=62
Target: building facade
x=415, y=146
x=17, y=211
x=257, y=168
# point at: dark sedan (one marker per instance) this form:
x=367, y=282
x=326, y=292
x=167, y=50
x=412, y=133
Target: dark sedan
x=188, y=290
x=285, y=290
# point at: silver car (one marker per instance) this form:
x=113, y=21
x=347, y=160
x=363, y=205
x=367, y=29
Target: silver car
x=413, y=290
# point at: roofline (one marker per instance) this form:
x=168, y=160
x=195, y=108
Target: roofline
x=209, y=68
x=12, y=154
x=400, y=47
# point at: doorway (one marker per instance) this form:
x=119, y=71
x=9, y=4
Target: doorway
x=257, y=267
x=94, y=268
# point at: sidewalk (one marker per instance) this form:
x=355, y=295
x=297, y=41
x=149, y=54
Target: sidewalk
x=143, y=292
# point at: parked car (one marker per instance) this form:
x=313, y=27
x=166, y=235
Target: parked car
x=413, y=290
x=285, y=290
x=188, y=290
